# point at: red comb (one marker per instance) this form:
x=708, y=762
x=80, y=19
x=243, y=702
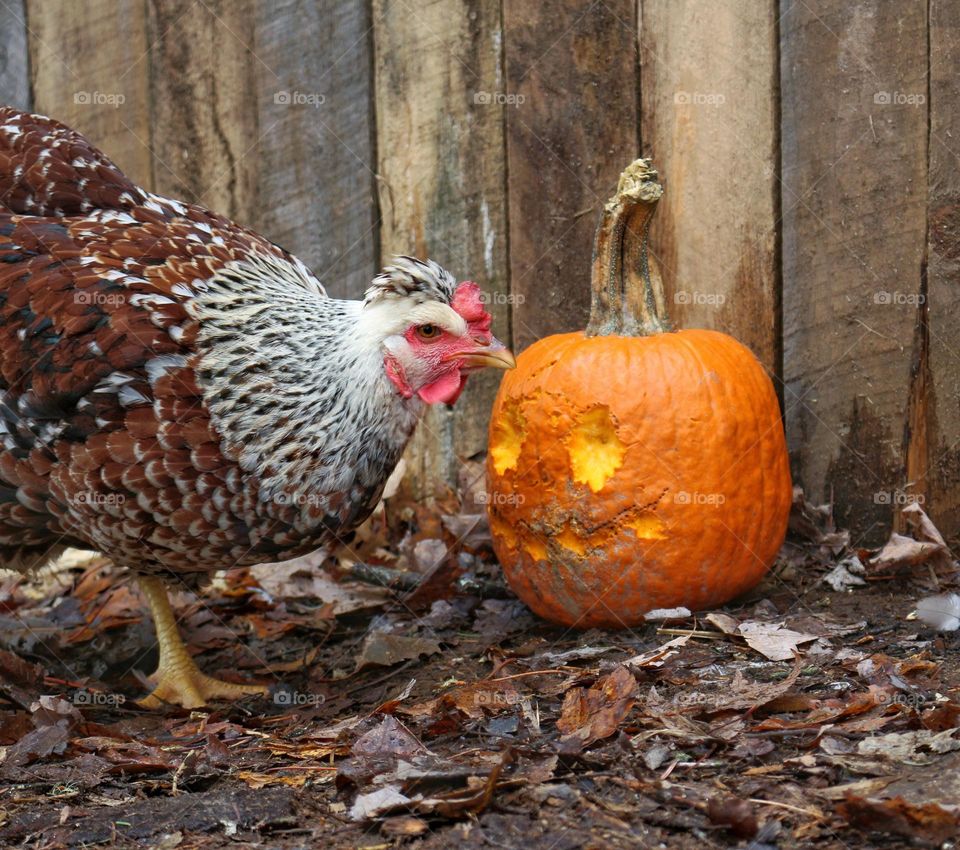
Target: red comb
x=468, y=302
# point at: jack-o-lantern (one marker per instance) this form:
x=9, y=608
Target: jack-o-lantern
x=632, y=467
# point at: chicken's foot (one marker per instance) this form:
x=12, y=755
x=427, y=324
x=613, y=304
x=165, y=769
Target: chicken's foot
x=177, y=679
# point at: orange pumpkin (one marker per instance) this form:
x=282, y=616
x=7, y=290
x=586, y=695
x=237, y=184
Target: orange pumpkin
x=631, y=467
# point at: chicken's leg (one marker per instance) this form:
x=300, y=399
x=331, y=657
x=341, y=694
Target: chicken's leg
x=178, y=680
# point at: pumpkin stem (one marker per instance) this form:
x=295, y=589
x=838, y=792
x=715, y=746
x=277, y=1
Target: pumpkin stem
x=627, y=290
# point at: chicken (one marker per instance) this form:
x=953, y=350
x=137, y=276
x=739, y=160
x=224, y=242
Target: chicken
x=181, y=395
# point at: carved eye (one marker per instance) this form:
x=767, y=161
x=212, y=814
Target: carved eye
x=428, y=331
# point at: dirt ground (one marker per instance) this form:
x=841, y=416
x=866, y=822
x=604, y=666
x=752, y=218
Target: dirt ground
x=438, y=712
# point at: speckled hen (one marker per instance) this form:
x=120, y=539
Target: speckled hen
x=179, y=393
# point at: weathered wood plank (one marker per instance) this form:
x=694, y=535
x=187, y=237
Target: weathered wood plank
x=572, y=126
x=939, y=411
x=14, y=56
x=316, y=163
x=709, y=75
x=442, y=189
x=204, y=109
x=89, y=69
x=854, y=202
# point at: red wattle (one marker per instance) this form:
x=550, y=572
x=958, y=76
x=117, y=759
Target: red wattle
x=446, y=389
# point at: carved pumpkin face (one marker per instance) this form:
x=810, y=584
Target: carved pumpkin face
x=631, y=468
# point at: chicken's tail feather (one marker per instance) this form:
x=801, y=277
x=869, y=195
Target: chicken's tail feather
x=50, y=170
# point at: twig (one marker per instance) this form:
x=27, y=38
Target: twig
x=818, y=815
x=695, y=633
x=531, y=673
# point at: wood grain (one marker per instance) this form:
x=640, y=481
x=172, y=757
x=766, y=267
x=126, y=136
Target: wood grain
x=709, y=76
x=572, y=126
x=203, y=94
x=442, y=188
x=14, y=55
x=854, y=210
x=939, y=451
x=90, y=71
x=316, y=182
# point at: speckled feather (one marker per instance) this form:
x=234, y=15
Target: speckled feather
x=176, y=391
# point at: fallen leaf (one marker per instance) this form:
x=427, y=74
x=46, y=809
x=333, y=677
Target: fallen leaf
x=262, y=780
x=910, y=746
x=926, y=546
x=773, y=640
x=474, y=699
x=389, y=737
x=734, y=814
x=404, y=826
x=378, y=802
x=847, y=574
x=385, y=649
x=901, y=552
x=590, y=714
x=304, y=577
x=578, y=653
x=929, y=822
x=19, y=679
x=656, y=657
x=723, y=622
x=741, y=695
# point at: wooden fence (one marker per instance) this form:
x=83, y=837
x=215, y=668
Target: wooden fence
x=808, y=150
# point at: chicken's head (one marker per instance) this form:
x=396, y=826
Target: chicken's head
x=432, y=331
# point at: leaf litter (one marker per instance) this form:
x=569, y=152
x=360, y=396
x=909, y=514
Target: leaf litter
x=414, y=702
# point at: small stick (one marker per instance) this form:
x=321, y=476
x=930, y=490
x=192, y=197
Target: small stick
x=818, y=815
x=695, y=633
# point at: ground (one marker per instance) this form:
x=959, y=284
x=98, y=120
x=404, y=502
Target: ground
x=439, y=712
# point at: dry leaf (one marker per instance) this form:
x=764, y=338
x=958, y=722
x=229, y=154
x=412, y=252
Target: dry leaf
x=723, y=622
x=384, y=649
x=590, y=714
x=928, y=822
x=656, y=657
x=910, y=746
x=773, y=640
x=389, y=737
x=261, y=780
x=378, y=802
x=304, y=577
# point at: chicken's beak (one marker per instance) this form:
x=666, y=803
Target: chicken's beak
x=494, y=354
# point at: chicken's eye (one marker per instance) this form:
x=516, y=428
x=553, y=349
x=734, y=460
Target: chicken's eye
x=428, y=331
